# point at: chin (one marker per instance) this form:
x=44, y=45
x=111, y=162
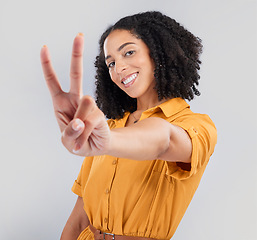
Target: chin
x=132, y=95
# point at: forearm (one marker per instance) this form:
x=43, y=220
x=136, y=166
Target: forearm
x=153, y=138
x=76, y=223
x=146, y=140
x=70, y=232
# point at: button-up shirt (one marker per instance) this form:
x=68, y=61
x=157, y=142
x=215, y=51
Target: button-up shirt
x=145, y=198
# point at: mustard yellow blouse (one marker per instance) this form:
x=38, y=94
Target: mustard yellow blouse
x=145, y=198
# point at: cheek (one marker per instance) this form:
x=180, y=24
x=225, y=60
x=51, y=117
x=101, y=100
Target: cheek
x=148, y=63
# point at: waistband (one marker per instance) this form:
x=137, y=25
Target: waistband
x=98, y=235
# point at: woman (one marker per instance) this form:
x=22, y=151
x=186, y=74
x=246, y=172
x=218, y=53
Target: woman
x=144, y=164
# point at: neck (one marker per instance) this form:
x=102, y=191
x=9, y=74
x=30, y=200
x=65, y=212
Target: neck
x=144, y=104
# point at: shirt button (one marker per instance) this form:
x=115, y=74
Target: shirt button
x=105, y=220
x=107, y=191
x=114, y=162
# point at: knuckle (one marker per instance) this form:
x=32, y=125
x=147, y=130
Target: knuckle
x=88, y=123
x=75, y=75
x=46, y=62
x=87, y=100
x=101, y=114
x=49, y=76
x=63, y=139
x=76, y=54
x=67, y=133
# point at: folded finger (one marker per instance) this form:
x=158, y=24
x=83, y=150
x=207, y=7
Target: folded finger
x=86, y=106
x=90, y=124
x=76, y=69
x=49, y=73
x=69, y=136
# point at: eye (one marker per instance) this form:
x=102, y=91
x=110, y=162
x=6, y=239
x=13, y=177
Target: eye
x=111, y=64
x=129, y=53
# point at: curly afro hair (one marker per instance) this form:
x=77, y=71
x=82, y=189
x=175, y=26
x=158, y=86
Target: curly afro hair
x=174, y=50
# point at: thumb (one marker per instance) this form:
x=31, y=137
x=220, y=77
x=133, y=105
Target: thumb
x=70, y=134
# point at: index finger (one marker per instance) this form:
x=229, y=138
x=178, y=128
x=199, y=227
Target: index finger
x=49, y=73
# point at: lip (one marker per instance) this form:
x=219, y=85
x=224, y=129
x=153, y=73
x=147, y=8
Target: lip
x=135, y=75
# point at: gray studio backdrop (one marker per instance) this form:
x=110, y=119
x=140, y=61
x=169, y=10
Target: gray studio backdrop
x=37, y=172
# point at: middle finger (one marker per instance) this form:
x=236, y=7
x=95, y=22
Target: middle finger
x=76, y=69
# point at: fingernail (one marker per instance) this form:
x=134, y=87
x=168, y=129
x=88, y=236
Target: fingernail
x=76, y=149
x=81, y=34
x=77, y=125
x=44, y=46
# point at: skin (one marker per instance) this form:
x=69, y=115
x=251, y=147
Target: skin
x=131, y=57
x=76, y=223
x=83, y=125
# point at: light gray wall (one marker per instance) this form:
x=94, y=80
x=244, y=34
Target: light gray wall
x=37, y=172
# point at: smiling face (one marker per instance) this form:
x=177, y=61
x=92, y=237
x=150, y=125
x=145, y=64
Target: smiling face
x=130, y=65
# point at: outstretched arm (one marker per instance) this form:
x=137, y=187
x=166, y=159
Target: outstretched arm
x=84, y=128
x=152, y=138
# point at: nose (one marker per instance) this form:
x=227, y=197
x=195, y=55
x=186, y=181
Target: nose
x=120, y=66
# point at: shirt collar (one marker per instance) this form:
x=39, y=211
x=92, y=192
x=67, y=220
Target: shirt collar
x=172, y=106
x=169, y=108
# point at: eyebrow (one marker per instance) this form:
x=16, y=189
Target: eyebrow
x=120, y=48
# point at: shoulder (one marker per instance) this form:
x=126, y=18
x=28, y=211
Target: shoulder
x=177, y=110
x=200, y=127
x=201, y=130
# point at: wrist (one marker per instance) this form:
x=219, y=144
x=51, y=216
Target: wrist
x=109, y=149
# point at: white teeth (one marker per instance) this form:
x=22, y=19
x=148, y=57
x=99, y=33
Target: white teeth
x=132, y=77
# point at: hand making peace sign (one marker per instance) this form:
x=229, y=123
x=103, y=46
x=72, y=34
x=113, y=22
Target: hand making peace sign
x=85, y=131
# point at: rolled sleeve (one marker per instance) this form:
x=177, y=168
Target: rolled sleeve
x=76, y=188
x=203, y=135
x=79, y=184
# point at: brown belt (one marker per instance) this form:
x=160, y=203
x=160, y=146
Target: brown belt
x=109, y=236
